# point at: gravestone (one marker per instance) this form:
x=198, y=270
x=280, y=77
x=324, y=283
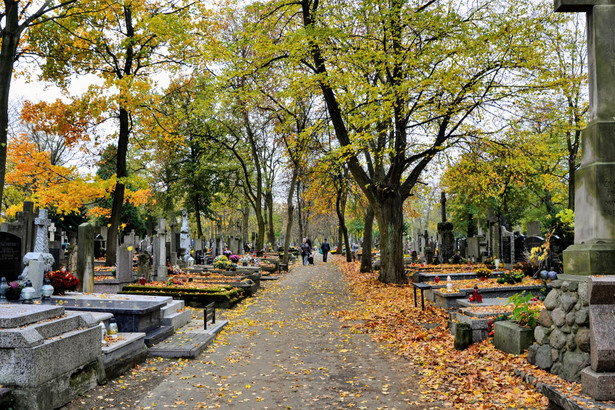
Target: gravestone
x=123, y=267
x=160, y=252
x=533, y=228
x=185, y=242
x=85, y=257
x=447, y=237
x=173, y=238
x=532, y=242
x=473, y=251
x=598, y=380
x=593, y=251
x=508, y=246
x=10, y=256
x=36, y=271
x=520, y=248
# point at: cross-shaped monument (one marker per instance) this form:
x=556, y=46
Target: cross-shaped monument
x=593, y=252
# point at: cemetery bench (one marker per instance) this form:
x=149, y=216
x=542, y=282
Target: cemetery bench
x=209, y=314
x=422, y=286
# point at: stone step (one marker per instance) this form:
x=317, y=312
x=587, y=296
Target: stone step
x=102, y=317
x=158, y=335
x=172, y=306
x=177, y=319
x=188, y=342
x=122, y=355
x=16, y=315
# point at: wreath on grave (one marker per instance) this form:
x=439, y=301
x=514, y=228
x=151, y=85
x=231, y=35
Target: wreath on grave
x=63, y=281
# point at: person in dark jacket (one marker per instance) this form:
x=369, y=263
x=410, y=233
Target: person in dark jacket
x=325, y=248
x=305, y=251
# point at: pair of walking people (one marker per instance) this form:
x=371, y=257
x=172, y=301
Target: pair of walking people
x=306, y=251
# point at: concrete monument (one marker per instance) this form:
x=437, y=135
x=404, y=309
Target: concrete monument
x=593, y=251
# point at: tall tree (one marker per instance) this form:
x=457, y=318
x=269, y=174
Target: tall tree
x=16, y=17
x=124, y=44
x=429, y=71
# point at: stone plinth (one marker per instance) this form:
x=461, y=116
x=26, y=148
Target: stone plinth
x=600, y=386
x=48, y=357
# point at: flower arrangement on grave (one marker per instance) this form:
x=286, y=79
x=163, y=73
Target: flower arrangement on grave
x=526, y=309
x=14, y=290
x=234, y=258
x=222, y=262
x=63, y=281
x=245, y=260
x=483, y=272
x=511, y=277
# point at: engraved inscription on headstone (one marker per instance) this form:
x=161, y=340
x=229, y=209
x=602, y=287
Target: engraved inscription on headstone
x=10, y=256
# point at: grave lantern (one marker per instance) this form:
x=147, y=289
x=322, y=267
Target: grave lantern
x=3, y=289
x=27, y=293
x=47, y=290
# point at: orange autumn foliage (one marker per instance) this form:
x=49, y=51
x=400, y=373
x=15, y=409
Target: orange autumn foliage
x=480, y=377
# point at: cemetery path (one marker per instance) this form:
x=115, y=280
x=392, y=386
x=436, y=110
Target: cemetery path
x=281, y=349
x=287, y=351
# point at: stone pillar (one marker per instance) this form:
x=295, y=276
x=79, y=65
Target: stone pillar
x=160, y=252
x=593, y=251
x=185, y=241
x=85, y=257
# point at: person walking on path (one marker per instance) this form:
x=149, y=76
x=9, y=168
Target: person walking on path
x=306, y=251
x=354, y=249
x=325, y=248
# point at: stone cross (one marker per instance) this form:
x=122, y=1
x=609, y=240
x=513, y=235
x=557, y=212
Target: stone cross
x=443, y=202
x=42, y=225
x=52, y=231
x=593, y=252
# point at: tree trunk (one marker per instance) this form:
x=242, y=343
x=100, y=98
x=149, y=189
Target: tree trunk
x=388, y=213
x=366, y=257
x=10, y=40
x=246, y=221
x=290, y=213
x=270, y=230
x=340, y=209
x=120, y=187
x=299, y=215
x=197, y=212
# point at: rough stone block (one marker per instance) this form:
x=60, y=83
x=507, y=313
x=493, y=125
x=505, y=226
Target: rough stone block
x=545, y=319
x=543, y=357
x=463, y=336
x=511, y=338
x=552, y=299
x=572, y=365
x=602, y=320
x=600, y=386
x=557, y=339
x=559, y=317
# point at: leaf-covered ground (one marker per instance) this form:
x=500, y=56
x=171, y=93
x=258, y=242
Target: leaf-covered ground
x=478, y=377
x=320, y=339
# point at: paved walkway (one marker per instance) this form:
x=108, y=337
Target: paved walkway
x=287, y=351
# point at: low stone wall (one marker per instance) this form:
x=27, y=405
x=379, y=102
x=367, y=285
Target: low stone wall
x=563, y=336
